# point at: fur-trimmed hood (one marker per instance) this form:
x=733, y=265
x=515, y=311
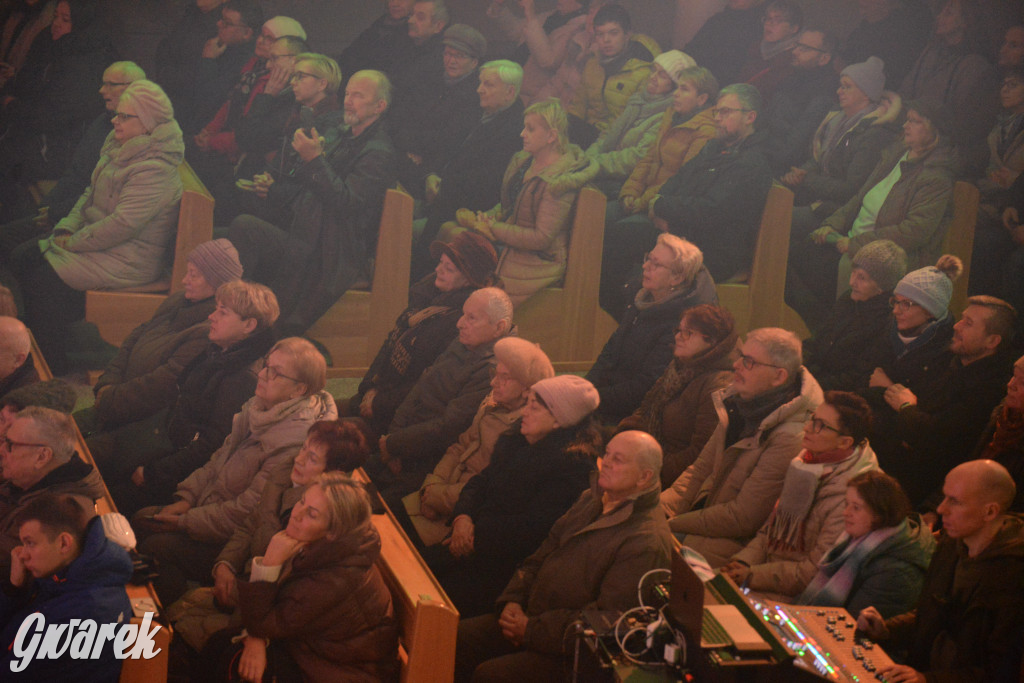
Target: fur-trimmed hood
x=887, y=113
x=570, y=173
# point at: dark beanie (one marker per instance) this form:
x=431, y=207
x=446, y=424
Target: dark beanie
x=472, y=254
x=53, y=394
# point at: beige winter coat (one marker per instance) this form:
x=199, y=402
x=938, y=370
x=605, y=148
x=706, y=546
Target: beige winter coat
x=534, y=227
x=432, y=505
x=125, y=220
x=739, y=484
x=225, y=490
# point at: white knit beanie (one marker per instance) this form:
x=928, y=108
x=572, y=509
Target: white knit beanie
x=285, y=26
x=674, y=62
x=150, y=103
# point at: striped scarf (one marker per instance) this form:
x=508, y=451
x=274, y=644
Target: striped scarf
x=838, y=569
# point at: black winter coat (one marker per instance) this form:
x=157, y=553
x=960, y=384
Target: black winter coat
x=412, y=346
x=799, y=104
x=335, y=201
x=641, y=347
x=211, y=390
x=843, y=354
x=716, y=201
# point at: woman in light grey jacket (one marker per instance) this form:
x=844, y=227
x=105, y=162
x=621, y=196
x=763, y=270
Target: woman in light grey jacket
x=186, y=536
x=117, y=234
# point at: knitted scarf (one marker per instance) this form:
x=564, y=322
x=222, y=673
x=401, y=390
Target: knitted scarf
x=806, y=474
x=675, y=379
x=838, y=569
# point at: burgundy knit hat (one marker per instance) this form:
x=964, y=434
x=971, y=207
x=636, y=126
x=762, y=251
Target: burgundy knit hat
x=472, y=254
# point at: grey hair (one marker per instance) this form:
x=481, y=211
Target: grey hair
x=687, y=258
x=440, y=12
x=130, y=71
x=53, y=428
x=380, y=80
x=498, y=306
x=748, y=95
x=508, y=72
x=783, y=347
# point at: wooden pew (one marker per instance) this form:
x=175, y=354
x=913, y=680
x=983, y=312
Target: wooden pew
x=116, y=313
x=756, y=299
x=959, y=239
x=565, y=320
x=428, y=621
x=356, y=326
x=132, y=670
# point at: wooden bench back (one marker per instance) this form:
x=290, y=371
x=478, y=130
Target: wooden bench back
x=195, y=222
x=758, y=300
x=959, y=239
x=428, y=621
x=563, y=320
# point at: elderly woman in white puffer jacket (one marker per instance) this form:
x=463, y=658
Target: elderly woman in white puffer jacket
x=118, y=233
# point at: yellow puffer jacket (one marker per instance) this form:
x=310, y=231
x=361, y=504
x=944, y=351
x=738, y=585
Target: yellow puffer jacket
x=600, y=98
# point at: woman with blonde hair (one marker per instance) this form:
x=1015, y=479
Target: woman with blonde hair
x=315, y=607
x=532, y=221
x=674, y=279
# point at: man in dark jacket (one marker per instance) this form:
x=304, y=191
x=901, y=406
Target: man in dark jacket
x=221, y=61
x=330, y=208
x=800, y=101
x=442, y=404
x=422, y=70
x=16, y=366
x=471, y=176
x=969, y=622
x=65, y=573
x=593, y=558
x=433, y=121
x=715, y=201
x=382, y=46
x=721, y=43
x=38, y=456
x=926, y=440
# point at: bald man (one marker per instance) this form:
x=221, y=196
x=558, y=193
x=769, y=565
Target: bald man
x=593, y=558
x=16, y=367
x=969, y=621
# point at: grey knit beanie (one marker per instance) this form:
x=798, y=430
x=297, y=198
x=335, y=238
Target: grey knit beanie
x=53, y=394
x=884, y=260
x=570, y=398
x=218, y=261
x=524, y=359
x=674, y=63
x=150, y=103
x=869, y=77
x=931, y=288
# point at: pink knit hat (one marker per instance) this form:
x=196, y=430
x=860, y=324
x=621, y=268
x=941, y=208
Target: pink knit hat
x=570, y=398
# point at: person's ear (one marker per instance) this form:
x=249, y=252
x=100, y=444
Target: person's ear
x=993, y=341
x=751, y=117
x=248, y=34
x=781, y=377
x=846, y=441
x=250, y=325
x=20, y=358
x=646, y=477
x=66, y=544
x=702, y=99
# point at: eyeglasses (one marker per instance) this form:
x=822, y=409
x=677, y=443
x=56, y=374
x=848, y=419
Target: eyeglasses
x=113, y=84
x=455, y=54
x=11, y=445
x=748, y=362
x=805, y=46
x=722, y=112
x=272, y=372
x=299, y=75
x=648, y=261
x=122, y=117
x=685, y=333
x=500, y=376
x=817, y=424
x=902, y=304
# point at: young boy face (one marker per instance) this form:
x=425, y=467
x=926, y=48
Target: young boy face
x=610, y=39
x=41, y=555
